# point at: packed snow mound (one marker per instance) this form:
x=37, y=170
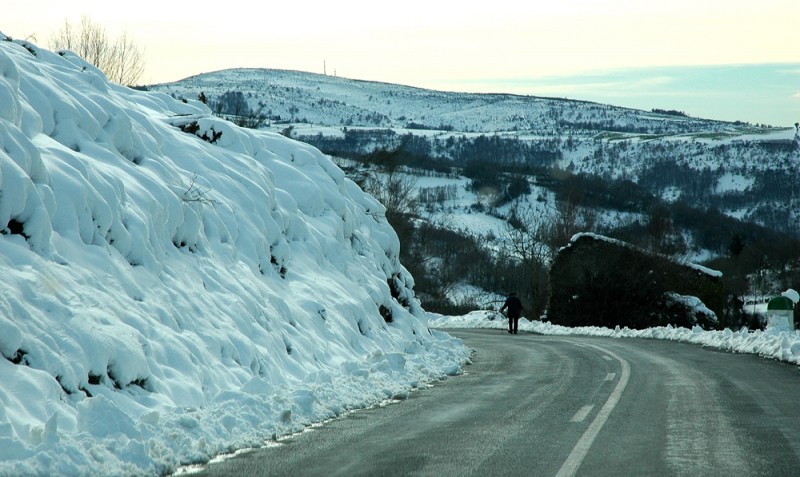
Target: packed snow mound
x=175, y=286
x=792, y=295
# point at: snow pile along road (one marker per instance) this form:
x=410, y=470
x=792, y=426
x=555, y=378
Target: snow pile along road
x=175, y=287
x=776, y=342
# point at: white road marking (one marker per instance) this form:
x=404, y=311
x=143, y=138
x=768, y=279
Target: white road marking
x=582, y=413
x=611, y=376
x=575, y=458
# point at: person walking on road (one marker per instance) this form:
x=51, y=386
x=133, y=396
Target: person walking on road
x=514, y=306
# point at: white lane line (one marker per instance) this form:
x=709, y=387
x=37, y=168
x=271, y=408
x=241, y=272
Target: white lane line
x=582, y=413
x=611, y=376
x=575, y=458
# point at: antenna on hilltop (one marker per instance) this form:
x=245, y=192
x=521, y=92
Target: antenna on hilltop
x=325, y=67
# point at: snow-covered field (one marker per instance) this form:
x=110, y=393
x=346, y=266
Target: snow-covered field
x=175, y=287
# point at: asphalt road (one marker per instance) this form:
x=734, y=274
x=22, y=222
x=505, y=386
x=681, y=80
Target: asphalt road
x=560, y=406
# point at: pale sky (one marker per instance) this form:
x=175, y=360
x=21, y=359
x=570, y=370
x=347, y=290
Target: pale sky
x=434, y=44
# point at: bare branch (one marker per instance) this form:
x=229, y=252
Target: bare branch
x=120, y=60
x=196, y=194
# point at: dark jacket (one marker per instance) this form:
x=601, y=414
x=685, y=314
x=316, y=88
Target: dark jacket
x=514, y=306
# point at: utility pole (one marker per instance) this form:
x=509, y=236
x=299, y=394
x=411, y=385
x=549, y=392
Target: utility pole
x=325, y=67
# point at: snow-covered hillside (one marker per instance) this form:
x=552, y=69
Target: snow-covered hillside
x=673, y=156
x=302, y=98
x=175, y=286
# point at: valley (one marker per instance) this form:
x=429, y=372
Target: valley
x=483, y=189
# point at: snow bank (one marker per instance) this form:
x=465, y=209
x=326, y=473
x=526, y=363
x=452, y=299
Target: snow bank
x=175, y=287
x=792, y=295
x=772, y=343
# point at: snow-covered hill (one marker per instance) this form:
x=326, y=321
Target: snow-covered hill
x=745, y=171
x=296, y=97
x=175, y=286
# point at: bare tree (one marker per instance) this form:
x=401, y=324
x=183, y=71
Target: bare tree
x=570, y=217
x=387, y=183
x=527, y=237
x=395, y=191
x=120, y=59
x=527, y=243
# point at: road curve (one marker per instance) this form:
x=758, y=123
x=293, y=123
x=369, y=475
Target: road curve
x=540, y=405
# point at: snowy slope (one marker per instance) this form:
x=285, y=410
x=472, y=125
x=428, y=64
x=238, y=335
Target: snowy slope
x=308, y=98
x=742, y=170
x=166, y=297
